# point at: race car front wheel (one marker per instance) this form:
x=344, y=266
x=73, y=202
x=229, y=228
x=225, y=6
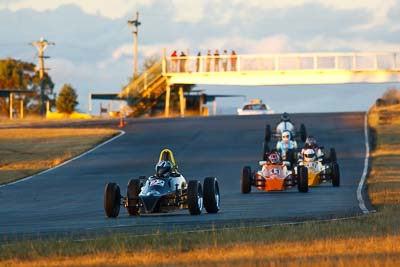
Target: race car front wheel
x=302, y=179
x=211, y=195
x=132, y=194
x=112, y=199
x=195, y=197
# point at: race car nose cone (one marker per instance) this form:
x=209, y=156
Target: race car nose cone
x=149, y=202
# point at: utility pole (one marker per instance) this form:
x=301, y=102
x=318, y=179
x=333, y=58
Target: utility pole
x=41, y=46
x=135, y=23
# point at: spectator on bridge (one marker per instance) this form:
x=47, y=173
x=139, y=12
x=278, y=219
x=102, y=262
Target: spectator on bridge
x=182, y=66
x=208, y=61
x=216, y=60
x=233, y=60
x=198, y=62
x=224, y=60
x=174, y=61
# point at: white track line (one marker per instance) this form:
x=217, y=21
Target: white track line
x=65, y=162
x=361, y=202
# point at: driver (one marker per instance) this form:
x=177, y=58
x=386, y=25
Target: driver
x=285, y=144
x=164, y=168
x=166, y=164
x=273, y=158
x=285, y=124
x=311, y=143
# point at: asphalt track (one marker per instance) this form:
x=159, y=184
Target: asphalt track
x=69, y=199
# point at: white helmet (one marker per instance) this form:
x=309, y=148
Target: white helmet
x=309, y=155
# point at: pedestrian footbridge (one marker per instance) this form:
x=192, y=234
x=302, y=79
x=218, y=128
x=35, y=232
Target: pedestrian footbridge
x=259, y=70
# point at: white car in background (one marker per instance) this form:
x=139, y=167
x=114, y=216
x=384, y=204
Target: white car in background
x=255, y=107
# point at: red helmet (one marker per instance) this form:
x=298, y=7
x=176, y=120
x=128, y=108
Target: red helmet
x=274, y=158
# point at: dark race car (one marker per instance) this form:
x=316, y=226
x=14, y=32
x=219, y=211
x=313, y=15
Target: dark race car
x=166, y=190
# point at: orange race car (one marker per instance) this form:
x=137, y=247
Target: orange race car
x=275, y=175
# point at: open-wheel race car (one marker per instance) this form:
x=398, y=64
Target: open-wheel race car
x=275, y=175
x=321, y=170
x=164, y=191
x=285, y=124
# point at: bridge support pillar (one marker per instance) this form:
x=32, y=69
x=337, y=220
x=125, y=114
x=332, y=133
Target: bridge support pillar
x=167, y=100
x=182, y=101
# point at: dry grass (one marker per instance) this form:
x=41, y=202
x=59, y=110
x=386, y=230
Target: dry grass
x=372, y=240
x=24, y=152
x=369, y=251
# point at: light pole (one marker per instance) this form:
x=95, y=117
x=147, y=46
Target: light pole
x=135, y=23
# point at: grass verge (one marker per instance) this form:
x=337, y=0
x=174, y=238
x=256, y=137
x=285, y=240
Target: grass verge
x=28, y=151
x=364, y=241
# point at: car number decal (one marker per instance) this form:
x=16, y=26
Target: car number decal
x=275, y=171
x=156, y=182
x=312, y=165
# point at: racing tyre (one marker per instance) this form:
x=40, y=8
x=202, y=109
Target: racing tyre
x=332, y=155
x=302, y=179
x=211, y=195
x=112, y=199
x=132, y=194
x=303, y=133
x=195, y=197
x=245, y=181
x=265, y=150
x=335, y=174
x=267, y=136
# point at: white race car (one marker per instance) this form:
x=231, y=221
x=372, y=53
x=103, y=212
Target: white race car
x=255, y=107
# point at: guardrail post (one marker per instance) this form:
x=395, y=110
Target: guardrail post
x=376, y=62
x=354, y=62
x=238, y=63
x=276, y=63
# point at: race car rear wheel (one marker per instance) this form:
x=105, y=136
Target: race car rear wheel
x=112, y=199
x=332, y=155
x=267, y=136
x=195, y=197
x=211, y=195
x=303, y=133
x=302, y=179
x=265, y=150
x=245, y=181
x=335, y=174
x=132, y=194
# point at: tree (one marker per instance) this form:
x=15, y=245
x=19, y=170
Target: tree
x=23, y=76
x=66, y=100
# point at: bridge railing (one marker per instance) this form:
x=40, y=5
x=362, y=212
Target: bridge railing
x=282, y=62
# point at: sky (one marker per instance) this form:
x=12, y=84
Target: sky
x=93, y=48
